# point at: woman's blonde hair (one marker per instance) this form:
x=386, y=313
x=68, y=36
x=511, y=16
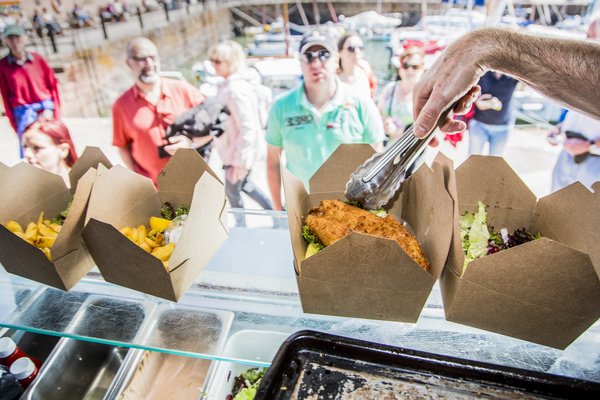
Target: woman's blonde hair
x=228, y=52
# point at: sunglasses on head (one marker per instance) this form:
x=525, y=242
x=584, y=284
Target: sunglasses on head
x=321, y=55
x=215, y=61
x=354, y=49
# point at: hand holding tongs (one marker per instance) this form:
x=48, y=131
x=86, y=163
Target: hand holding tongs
x=376, y=181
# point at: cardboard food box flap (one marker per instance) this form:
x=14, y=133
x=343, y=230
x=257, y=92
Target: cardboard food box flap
x=69, y=237
x=176, y=181
x=428, y=209
x=561, y=278
x=572, y=216
x=495, y=311
x=366, y=261
x=3, y=168
x=493, y=182
x=20, y=258
x=28, y=190
x=203, y=234
x=295, y=195
x=122, y=197
x=110, y=249
x=91, y=157
x=335, y=172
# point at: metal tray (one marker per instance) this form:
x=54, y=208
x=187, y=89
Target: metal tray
x=317, y=365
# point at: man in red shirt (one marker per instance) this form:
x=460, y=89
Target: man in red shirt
x=27, y=83
x=142, y=114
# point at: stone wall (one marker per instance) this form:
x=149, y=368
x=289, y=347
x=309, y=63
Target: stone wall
x=91, y=79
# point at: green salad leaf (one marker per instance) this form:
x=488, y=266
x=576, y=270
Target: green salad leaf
x=474, y=234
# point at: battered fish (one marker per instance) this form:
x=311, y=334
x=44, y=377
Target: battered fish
x=332, y=220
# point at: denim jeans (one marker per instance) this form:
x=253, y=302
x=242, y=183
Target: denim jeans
x=495, y=135
x=233, y=191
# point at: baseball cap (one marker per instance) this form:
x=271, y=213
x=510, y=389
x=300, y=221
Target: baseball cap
x=318, y=37
x=13, y=30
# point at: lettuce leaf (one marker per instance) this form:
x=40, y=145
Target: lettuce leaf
x=474, y=234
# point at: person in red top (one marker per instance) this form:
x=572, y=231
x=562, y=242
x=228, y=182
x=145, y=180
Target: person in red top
x=27, y=83
x=142, y=114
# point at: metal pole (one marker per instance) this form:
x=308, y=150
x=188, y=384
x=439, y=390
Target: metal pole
x=187, y=6
x=139, y=14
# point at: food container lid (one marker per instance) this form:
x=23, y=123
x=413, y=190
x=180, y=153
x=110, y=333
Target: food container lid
x=22, y=368
x=7, y=347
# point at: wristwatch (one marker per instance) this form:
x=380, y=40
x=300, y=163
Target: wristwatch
x=594, y=148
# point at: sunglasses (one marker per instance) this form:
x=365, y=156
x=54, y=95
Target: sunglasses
x=413, y=66
x=354, y=49
x=321, y=55
x=215, y=61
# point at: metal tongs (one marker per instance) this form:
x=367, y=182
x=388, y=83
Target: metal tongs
x=376, y=181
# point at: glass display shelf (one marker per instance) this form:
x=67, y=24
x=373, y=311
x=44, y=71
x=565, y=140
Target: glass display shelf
x=250, y=286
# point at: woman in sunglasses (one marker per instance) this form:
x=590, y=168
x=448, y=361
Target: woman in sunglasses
x=395, y=101
x=354, y=70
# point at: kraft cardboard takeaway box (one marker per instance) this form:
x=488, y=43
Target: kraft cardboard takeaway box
x=123, y=198
x=364, y=276
x=545, y=291
x=26, y=192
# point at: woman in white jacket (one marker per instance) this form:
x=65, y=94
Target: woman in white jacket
x=237, y=146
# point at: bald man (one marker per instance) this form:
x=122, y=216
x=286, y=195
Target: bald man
x=142, y=114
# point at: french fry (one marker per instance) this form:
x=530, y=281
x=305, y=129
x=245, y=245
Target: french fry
x=164, y=252
x=45, y=241
x=151, y=239
x=55, y=227
x=43, y=230
x=31, y=233
x=13, y=226
x=46, y=251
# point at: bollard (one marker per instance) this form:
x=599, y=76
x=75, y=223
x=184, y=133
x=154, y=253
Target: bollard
x=187, y=6
x=166, y=7
x=139, y=14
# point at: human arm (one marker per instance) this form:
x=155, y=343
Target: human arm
x=120, y=138
x=373, y=124
x=245, y=126
x=52, y=84
x=563, y=69
x=274, y=175
x=126, y=157
x=4, y=90
x=275, y=146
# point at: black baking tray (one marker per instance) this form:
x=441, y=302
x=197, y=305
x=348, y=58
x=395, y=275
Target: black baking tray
x=315, y=365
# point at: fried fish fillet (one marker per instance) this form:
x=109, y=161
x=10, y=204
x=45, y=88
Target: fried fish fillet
x=332, y=220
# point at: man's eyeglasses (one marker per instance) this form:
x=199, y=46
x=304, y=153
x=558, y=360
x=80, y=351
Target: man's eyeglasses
x=413, y=66
x=321, y=55
x=215, y=61
x=142, y=59
x=354, y=49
